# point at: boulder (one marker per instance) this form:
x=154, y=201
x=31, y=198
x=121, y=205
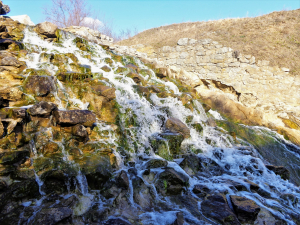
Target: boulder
x=42, y=109
x=4, y=9
x=52, y=216
x=179, y=219
x=73, y=117
x=280, y=170
x=143, y=195
x=46, y=28
x=106, y=69
x=122, y=180
x=108, y=92
x=80, y=131
x=135, y=77
x=216, y=207
x=40, y=85
x=190, y=164
x=155, y=163
x=209, y=167
x=171, y=182
x=245, y=209
x=175, y=125
x=201, y=190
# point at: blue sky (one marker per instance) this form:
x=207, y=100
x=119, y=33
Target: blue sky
x=145, y=14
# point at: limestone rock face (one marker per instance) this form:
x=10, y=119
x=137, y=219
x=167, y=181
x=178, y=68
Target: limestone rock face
x=46, y=28
x=175, y=125
x=73, y=117
x=4, y=9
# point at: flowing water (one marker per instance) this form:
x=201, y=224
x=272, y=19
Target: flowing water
x=240, y=159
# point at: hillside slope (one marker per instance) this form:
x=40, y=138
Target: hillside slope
x=273, y=37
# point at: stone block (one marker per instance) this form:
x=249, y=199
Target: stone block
x=205, y=41
x=234, y=64
x=200, y=53
x=192, y=41
x=183, y=41
x=210, y=52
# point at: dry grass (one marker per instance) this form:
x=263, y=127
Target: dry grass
x=274, y=37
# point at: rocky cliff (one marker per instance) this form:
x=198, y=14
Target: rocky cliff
x=92, y=135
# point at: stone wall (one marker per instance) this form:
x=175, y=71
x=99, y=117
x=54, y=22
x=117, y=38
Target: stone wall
x=254, y=82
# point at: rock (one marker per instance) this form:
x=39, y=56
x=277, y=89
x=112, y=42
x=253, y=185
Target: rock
x=3, y=186
x=155, y=163
x=175, y=125
x=11, y=61
x=4, y=9
x=46, y=28
x=1, y=129
x=12, y=124
x=42, y=109
x=161, y=72
x=25, y=19
x=108, y=92
x=23, y=174
x=122, y=180
x=179, y=219
x=280, y=170
x=80, y=131
x=73, y=117
x=8, y=158
x=135, y=77
x=116, y=221
x=171, y=182
x=216, y=207
x=143, y=195
x=183, y=41
x=106, y=68
x=201, y=190
x=20, y=113
x=40, y=85
x=190, y=164
x=167, y=144
x=209, y=167
x=245, y=209
x=52, y=216
x=97, y=169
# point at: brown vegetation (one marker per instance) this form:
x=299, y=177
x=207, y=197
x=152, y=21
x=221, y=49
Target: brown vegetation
x=273, y=37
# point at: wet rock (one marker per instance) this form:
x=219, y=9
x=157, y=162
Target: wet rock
x=40, y=85
x=167, y=144
x=136, y=78
x=209, y=167
x=98, y=170
x=190, y=164
x=72, y=76
x=52, y=216
x=171, y=182
x=201, y=190
x=144, y=91
x=11, y=94
x=108, y=92
x=42, y=109
x=46, y=29
x=4, y=9
x=179, y=219
x=116, y=221
x=216, y=207
x=289, y=198
x=3, y=186
x=143, y=195
x=245, y=209
x=155, y=163
x=122, y=180
x=80, y=131
x=58, y=181
x=198, y=127
x=132, y=66
x=23, y=174
x=106, y=68
x=175, y=125
x=280, y=170
x=1, y=129
x=73, y=117
x=8, y=158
